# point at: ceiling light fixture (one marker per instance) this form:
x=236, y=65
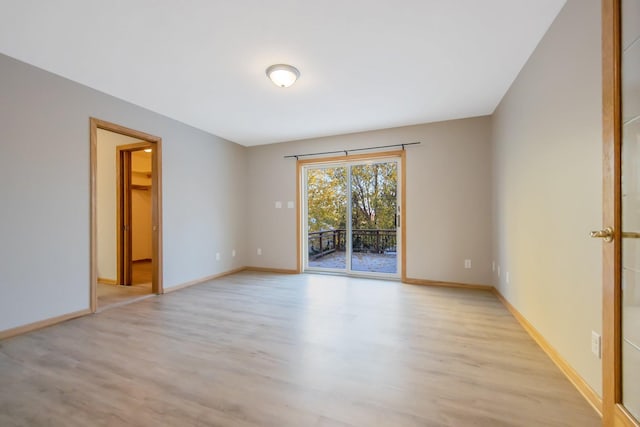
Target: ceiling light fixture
x=283, y=75
x=147, y=150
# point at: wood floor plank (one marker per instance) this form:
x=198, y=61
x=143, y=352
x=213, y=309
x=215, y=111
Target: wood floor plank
x=259, y=349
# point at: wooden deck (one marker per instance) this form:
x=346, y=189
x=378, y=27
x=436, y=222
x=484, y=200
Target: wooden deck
x=361, y=261
x=258, y=349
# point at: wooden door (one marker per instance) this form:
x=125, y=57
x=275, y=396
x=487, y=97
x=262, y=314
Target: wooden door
x=125, y=243
x=621, y=212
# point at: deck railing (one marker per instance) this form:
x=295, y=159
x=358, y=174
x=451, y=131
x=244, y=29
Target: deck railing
x=325, y=242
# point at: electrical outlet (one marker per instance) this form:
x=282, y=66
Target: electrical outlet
x=467, y=263
x=233, y=252
x=596, y=344
x=259, y=251
x=498, y=271
x=493, y=266
x=506, y=277
x=217, y=256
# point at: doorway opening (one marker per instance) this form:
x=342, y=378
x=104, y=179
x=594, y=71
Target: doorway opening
x=351, y=215
x=126, y=262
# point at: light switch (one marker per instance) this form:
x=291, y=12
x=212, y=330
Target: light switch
x=290, y=204
x=278, y=205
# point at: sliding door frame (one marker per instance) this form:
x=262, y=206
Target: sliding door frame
x=398, y=155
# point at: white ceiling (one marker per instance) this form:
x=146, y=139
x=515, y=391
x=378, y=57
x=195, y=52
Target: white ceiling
x=364, y=64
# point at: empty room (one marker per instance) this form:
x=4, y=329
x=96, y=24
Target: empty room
x=296, y=213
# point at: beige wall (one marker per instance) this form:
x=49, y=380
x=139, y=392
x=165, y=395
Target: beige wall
x=448, y=189
x=44, y=183
x=547, y=187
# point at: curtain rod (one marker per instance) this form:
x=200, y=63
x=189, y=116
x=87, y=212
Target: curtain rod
x=346, y=152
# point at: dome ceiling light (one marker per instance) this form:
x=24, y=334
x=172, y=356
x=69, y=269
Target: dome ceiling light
x=283, y=75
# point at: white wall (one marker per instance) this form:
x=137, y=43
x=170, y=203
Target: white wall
x=106, y=203
x=547, y=186
x=44, y=193
x=448, y=189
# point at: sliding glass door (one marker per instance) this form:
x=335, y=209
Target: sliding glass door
x=374, y=204
x=351, y=217
x=326, y=213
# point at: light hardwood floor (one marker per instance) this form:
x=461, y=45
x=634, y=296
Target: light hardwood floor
x=109, y=294
x=113, y=294
x=257, y=349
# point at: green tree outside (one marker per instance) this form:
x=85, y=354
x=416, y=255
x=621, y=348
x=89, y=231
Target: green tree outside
x=373, y=196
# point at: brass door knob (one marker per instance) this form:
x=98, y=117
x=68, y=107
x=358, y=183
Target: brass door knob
x=606, y=234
